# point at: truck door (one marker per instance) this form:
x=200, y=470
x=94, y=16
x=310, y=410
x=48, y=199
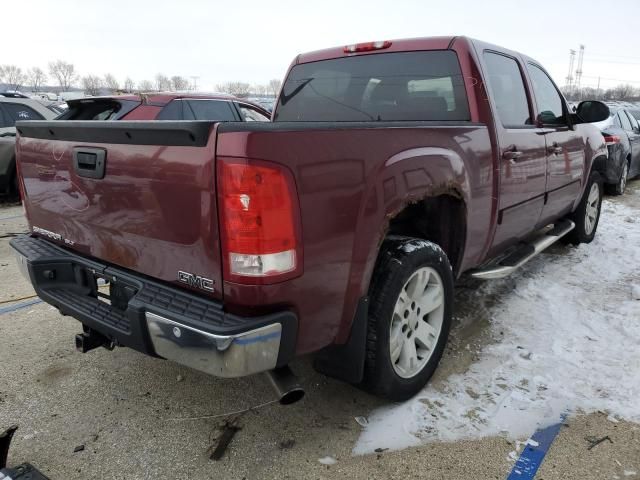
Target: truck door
x=521, y=147
x=565, y=148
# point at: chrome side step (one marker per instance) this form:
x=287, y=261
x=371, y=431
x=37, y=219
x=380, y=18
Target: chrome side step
x=511, y=263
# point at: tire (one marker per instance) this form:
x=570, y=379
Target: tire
x=14, y=190
x=620, y=187
x=405, y=265
x=587, y=215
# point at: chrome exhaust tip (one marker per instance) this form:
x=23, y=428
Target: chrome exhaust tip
x=286, y=385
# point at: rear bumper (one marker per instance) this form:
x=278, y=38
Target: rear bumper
x=155, y=318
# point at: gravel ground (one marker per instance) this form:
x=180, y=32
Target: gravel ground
x=134, y=415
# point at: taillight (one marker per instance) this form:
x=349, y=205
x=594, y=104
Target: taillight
x=367, y=47
x=611, y=139
x=259, y=221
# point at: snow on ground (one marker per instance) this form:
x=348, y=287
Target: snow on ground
x=565, y=339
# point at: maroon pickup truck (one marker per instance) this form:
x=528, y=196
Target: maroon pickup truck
x=339, y=228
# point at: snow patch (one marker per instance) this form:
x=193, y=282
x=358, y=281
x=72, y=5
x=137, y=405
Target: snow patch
x=328, y=461
x=566, y=340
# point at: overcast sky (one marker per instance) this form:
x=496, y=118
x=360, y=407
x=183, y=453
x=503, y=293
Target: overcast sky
x=255, y=41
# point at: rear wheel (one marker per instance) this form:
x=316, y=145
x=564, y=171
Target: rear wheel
x=620, y=187
x=409, y=318
x=587, y=215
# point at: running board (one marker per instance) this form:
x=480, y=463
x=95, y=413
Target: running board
x=522, y=255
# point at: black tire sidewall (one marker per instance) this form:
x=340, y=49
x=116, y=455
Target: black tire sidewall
x=579, y=234
x=382, y=377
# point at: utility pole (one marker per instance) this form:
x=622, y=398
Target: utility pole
x=598, y=90
x=194, y=82
x=579, y=70
x=572, y=57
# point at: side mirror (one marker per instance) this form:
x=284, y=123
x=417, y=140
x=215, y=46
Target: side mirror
x=591, y=111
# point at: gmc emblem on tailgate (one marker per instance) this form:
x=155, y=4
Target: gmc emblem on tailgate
x=196, y=281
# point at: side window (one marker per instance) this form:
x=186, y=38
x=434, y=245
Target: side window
x=18, y=111
x=4, y=119
x=548, y=99
x=216, y=110
x=616, y=120
x=626, y=123
x=507, y=87
x=171, y=111
x=250, y=114
x=634, y=122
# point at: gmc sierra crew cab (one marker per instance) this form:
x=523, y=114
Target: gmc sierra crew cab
x=389, y=170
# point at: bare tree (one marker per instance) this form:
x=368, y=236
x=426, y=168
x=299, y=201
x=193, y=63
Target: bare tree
x=111, y=82
x=238, y=89
x=64, y=73
x=162, y=83
x=36, y=77
x=92, y=84
x=179, y=83
x=129, y=85
x=274, y=86
x=145, y=86
x=260, y=89
x=13, y=76
x=623, y=92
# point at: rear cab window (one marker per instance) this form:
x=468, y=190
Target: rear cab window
x=403, y=86
x=102, y=109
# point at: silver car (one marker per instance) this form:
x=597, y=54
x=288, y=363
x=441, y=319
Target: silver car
x=12, y=110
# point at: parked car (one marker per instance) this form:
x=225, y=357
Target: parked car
x=13, y=108
x=622, y=136
x=165, y=106
x=390, y=169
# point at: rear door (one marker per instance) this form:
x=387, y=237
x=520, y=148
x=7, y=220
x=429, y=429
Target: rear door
x=521, y=148
x=630, y=126
x=565, y=147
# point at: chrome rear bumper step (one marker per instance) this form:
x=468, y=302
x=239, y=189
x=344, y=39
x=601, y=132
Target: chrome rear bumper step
x=508, y=265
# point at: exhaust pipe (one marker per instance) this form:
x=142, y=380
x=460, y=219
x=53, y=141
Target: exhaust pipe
x=286, y=385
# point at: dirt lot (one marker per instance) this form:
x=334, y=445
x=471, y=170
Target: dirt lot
x=137, y=417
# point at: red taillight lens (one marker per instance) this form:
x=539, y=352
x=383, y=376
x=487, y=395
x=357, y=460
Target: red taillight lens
x=611, y=139
x=367, y=47
x=258, y=220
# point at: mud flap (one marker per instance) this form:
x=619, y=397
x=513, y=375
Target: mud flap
x=346, y=362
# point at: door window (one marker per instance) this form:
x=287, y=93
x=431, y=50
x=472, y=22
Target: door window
x=548, y=100
x=216, y=110
x=507, y=86
x=624, y=120
x=250, y=114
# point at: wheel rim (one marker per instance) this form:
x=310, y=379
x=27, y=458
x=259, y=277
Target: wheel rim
x=591, y=212
x=417, y=322
x=623, y=177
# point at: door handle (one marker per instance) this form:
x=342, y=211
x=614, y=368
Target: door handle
x=89, y=162
x=512, y=153
x=555, y=148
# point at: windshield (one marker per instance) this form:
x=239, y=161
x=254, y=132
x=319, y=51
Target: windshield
x=378, y=87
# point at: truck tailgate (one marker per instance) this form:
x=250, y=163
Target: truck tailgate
x=153, y=208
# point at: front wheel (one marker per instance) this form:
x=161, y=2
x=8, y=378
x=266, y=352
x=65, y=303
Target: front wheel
x=409, y=318
x=587, y=215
